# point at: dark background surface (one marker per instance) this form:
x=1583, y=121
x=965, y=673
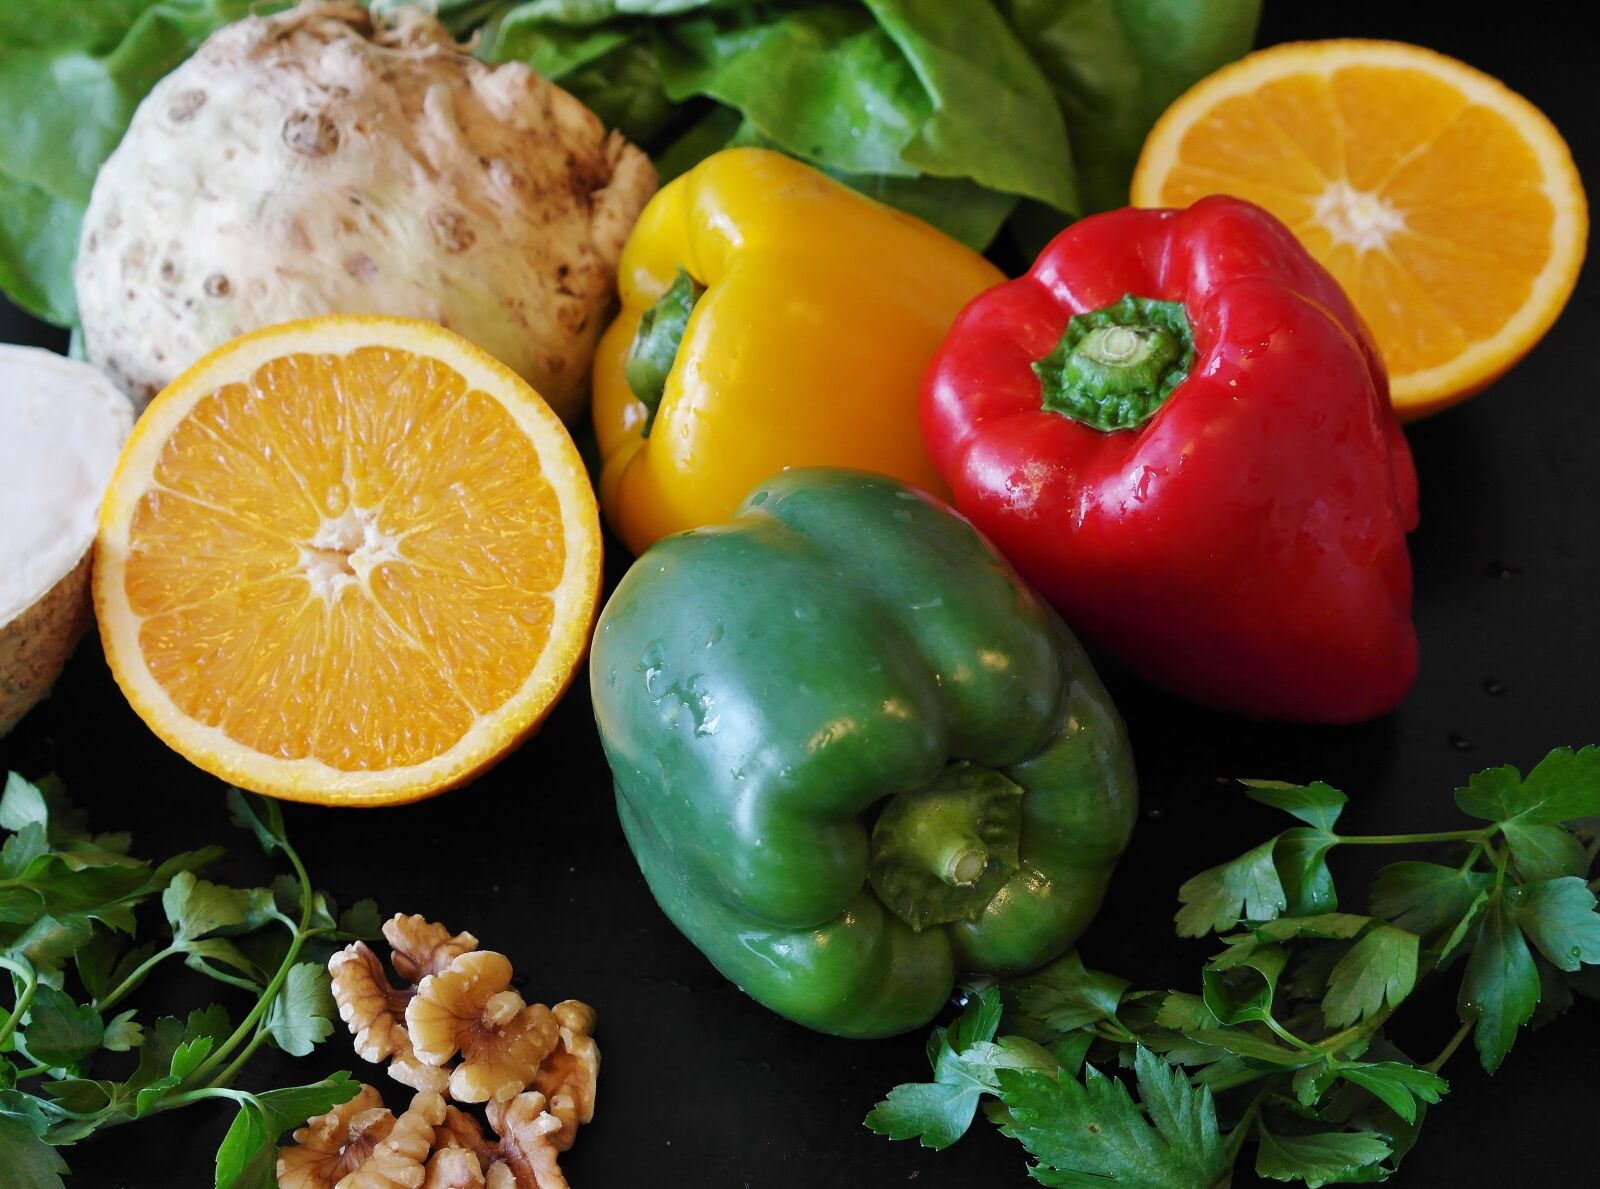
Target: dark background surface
x=703, y=1087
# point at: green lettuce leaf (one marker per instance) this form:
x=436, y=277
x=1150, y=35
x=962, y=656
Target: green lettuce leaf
x=1115, y=68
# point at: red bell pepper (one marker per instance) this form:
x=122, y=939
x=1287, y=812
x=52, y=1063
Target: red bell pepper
x=1178, y=428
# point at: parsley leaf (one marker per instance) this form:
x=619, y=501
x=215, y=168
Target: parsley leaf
x=96, y=961
x=1301, y=857
x=1287, y=873
x=1185, y=1012
x=172, y=1051
x=965, y=1059
x=123, y=1033
x=1216, y=899
x=59, y=1031
x=1085, y=1133
x=1253, y=1046
x=1318, y=1159
x=29, y=1162
x=286, y=894
x=246, y=1158
x=22, y=804
x=49, y=941
x=195, y=907
x=202, y=956
x=1425, y=898
x=301, y=1016
x=1397, y=1086
x=1545, y=851
x=262, y=816
x=1463, y=927
x=1381, y=967
x=68, y=904
x=939, y=1112
x=1066, y=996
x=1558, y=916
x=1494, y=795
x=1500, y=988
x=361, y=921
x=1563, y=787
x=1312, y=1082
x=1325, y=925
x=1242, y=990
x=979, y=1020
x=1316, y=804
x=1072, y=1050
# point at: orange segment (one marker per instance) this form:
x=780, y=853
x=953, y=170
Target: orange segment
x=350, y=560
x=1446, y=205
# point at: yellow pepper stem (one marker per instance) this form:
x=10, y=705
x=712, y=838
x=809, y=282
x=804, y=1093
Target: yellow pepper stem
x=655, y=347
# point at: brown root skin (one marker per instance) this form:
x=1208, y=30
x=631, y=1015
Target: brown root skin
x=35, y=645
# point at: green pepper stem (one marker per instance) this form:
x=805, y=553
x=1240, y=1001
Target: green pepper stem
x=1113, y=367
x=937, y=838
x=963, y=863
x=939, y=853
x=655, y=344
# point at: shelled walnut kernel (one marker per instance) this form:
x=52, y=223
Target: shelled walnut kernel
x=534, y=1068
x=361, y=1145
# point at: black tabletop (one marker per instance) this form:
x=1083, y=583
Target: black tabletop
x=701, y=1086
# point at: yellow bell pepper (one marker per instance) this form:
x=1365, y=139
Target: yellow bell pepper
x=819, y=312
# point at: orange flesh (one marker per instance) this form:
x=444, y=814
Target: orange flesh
x=1473, y=240
x=316, y=579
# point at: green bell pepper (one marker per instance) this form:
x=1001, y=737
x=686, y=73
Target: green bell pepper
x=855, y=754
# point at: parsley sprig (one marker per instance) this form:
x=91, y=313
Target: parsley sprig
x=1284, y=1045
x=70, y=948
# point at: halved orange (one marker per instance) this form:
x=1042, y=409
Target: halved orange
x=350, y=560
x=1447, y=205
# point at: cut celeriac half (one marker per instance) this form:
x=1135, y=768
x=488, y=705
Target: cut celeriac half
x=62, y=424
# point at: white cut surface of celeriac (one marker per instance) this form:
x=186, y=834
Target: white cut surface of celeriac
x=62, y=426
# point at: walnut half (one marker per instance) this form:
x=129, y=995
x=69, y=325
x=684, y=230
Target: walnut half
x=569, y=1076
x=469, y=1008
x=361, y=1145
x=524, y=1157
x=374, y=1009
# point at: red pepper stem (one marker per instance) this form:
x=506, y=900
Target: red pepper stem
x=1114, y=366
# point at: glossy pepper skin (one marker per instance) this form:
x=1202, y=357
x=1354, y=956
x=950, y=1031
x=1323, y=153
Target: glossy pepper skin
x=830, y=720
x=820, y=311
x=1238, y=535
